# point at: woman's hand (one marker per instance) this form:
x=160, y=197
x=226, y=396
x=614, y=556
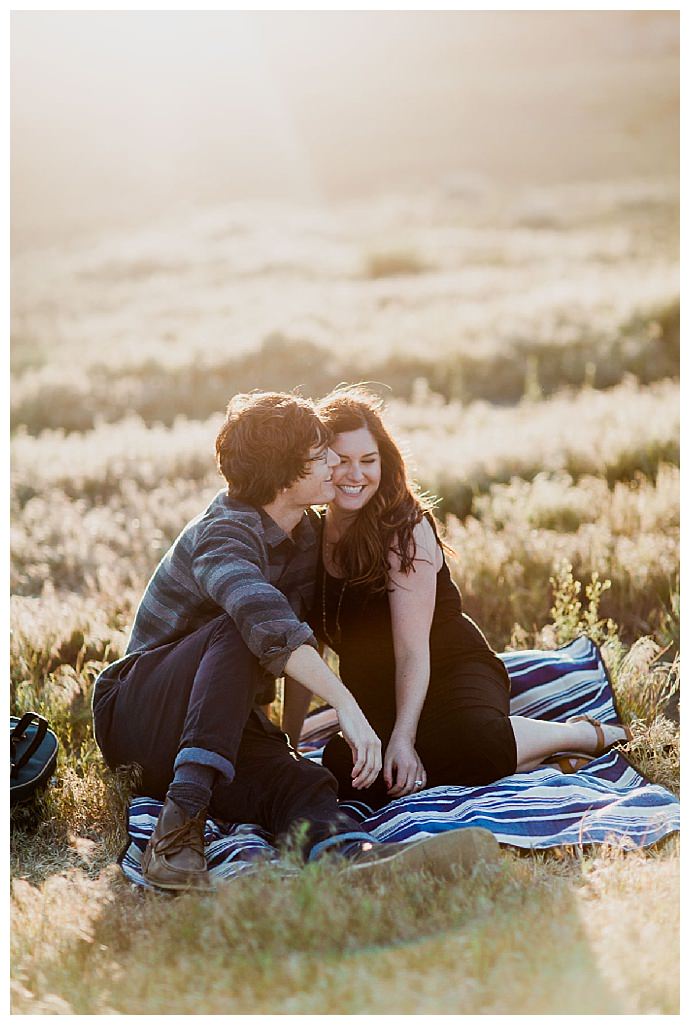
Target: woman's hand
x=402, y=767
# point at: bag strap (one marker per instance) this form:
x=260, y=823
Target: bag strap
x=19, y=732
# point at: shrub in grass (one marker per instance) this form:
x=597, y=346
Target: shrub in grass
x=389, y=263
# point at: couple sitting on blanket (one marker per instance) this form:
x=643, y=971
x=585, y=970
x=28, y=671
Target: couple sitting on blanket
x=246, y=593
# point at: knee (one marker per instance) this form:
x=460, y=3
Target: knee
x=301, y=782
x=223, y=630
x=493, y=753
x=224, y=641
x=477, y=751
x=312, y=775
x=482, y=771
x=337, y=757
x=226, y=645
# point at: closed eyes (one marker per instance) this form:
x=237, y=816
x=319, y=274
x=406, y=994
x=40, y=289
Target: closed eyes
x=367, y=460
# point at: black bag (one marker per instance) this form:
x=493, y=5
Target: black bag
x=33, y=755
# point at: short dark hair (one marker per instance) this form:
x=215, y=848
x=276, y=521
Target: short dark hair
x=264, y=443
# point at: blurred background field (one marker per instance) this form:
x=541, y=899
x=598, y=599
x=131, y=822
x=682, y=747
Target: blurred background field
x=492, y=238
x=531, y=373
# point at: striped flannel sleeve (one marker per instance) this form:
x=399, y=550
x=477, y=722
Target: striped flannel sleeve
x=227, y=567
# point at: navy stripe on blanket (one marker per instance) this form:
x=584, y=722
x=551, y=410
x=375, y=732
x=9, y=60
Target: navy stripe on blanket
x=607, y=801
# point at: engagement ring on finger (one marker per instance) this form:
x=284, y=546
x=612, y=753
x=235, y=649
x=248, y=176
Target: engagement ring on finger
x=419, y=782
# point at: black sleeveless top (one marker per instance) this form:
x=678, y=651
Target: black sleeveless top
x=357, y=625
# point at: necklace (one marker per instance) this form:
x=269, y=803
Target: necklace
x=332, y=642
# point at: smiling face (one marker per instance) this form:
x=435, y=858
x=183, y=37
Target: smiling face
x=317, y=486
x=358, y=474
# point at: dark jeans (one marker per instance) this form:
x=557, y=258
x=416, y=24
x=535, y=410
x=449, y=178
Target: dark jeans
x=197, y=696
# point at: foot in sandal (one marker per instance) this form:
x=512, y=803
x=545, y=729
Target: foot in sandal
x=600, y=737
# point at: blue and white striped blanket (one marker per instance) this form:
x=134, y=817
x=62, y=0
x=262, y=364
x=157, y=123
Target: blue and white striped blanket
x=605, y=802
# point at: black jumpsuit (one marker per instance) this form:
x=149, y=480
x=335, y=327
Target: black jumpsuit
x=464, y=736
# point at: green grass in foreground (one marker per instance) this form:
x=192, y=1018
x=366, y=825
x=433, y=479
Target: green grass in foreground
x=538, y=934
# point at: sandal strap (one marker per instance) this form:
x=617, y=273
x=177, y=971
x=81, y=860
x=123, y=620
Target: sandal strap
x=601, y=742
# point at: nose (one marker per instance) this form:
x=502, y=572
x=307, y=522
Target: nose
x=333, y=458
x=355, y=473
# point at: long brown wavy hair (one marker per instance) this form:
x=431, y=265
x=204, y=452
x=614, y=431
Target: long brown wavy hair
x=386, y=523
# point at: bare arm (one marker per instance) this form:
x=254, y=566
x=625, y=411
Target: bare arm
x=412, y=600
x=306, y=666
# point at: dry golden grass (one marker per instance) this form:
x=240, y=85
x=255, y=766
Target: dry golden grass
x=454, y=449
x=546, y=304
x=473, y=293
x=84, y=941
x=90, y=946
x=82, y=567
x=507, y=551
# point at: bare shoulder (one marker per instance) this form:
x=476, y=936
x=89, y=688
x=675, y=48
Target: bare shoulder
x=427, y=548
x=427, y=543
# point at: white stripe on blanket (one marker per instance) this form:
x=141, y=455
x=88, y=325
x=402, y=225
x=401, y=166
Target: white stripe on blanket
x=607, y=801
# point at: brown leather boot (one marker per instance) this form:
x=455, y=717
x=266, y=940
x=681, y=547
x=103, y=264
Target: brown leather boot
x=174, y=856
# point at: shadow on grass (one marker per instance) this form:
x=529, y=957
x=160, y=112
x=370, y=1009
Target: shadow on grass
x=506, y=939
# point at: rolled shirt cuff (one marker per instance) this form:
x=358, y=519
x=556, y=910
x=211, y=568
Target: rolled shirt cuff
x=274, y=659
x=200, y=756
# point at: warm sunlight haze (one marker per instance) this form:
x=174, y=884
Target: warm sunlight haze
x=478, y=212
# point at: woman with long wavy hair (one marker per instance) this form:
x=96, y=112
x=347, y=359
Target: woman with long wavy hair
x=420, y=668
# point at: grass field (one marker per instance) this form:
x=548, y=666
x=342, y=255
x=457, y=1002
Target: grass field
x=530, y=345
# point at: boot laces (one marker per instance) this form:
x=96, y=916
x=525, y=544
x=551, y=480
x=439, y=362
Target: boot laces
x=189, y=834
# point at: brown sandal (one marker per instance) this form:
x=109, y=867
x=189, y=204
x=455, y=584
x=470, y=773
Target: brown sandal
x=569, y=763
x=602, y=747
